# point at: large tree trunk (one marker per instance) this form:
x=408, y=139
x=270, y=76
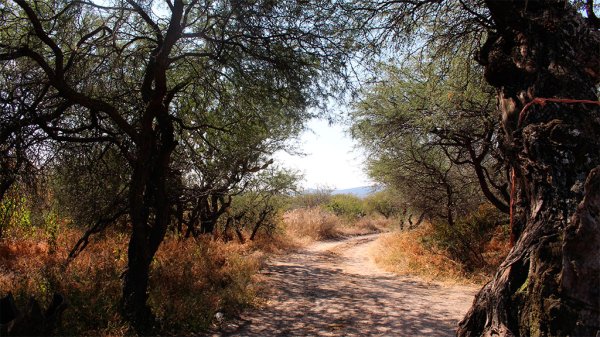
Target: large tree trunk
x=150, y=206
x=549, y=285
x=135, y=283
x=149, y=199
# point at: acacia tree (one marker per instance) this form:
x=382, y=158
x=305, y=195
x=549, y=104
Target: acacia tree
x=543, y=59
x=226, y=158
x=19, y=132
x=430, y=126
x=89, y=184
x=260, y=203
x=118, y=72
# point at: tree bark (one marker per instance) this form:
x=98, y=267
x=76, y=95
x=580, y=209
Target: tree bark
x=260, y=222
x=149, y=200
x=548, y=284
x=150, y=211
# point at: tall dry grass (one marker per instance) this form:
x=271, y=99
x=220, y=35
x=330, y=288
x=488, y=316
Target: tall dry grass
x=370, y=224
x=312, y=223
x=34, y=266
x=404, y=253
x=191, y=280
x=316, y=223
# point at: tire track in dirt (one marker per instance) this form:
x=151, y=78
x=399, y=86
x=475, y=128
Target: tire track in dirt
x=335, y=289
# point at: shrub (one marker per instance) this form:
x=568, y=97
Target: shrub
x=314, y=199
x=190, y=281
x=90, y=283
x=404, y=254
x=14, y=212
x=193, y=280
x=252, y=212
x=385, y=203
x=465, y=242
x=24, y=213
x=373, y=224
x=346, y=205
x=89, y=182
x=258, y=207
x=411, y=252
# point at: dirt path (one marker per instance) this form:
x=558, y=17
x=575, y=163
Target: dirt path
x=334, y=289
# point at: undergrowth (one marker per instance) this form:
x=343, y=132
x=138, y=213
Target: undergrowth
x=191, y=280
x=313, y=223
x=316, y=223
x=407, y=253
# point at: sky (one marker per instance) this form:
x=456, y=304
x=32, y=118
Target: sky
x=331, y=158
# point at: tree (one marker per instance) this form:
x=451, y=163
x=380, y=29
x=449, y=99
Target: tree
x=19, y=133
x=225, y=159
x=386, y=202
x=119, y=73
x=548, y=283
x=261, y=202
x=89, y=185
x=22, y=142
x=543, y=59
x=429, y=126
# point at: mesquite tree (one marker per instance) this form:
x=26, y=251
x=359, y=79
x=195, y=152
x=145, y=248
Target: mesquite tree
x=123, y=72
x=548, y=285
x=432, y=127
x=543, y=58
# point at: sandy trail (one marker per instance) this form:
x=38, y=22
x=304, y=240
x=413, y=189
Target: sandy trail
x=335, y=289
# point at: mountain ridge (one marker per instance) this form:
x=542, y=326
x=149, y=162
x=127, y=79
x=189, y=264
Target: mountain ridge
x=360, y=191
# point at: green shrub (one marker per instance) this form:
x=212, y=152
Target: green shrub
x=347, y=206
x=259, y=207
x=254, y=211
x=317, y=198
x=14, y=213
x=385, y=203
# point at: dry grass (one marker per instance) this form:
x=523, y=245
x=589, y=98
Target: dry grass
x=278, y=243
x=369, y=225
x=305, y=225
x=33, y=267
x=311, y=223
x=497, y=249
x=191, y=280
x=404, y=254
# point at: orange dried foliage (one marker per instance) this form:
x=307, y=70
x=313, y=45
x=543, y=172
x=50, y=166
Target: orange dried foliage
x=190, y=281
x=403, y=253
x=312, y=223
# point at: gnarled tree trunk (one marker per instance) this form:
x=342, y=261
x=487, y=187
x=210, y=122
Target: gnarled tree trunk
x=150, y=211
x=549, y=284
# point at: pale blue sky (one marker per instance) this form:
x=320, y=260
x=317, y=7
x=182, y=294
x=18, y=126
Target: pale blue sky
x=331, y=159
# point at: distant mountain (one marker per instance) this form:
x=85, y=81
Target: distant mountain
x=360, y=192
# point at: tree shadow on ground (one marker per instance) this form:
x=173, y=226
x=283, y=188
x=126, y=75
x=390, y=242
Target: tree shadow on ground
x=313, y=295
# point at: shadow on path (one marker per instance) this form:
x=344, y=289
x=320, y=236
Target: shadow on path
x=319, y=292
